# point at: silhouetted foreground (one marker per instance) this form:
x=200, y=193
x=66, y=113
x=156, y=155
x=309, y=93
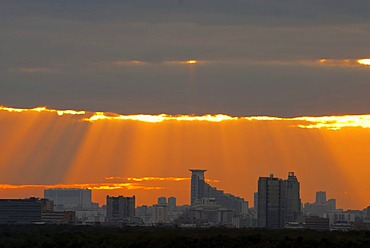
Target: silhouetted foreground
x=99, y=236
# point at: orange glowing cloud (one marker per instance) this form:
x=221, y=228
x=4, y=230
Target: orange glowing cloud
x=92, y=186
x=335, y=122
x=142, y=179
x=345, y=62
x=185, y=62
x=43, y=109
x=158, y=118
x=364, y=62
x=327, y=122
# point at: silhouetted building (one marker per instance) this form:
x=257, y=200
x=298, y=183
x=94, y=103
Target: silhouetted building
x=333, y=204
x=171, y=204
x=271, y=202
x=200, y=189
x=320, y=206
x=69, y=199
x=60, y=217
x=321, y=197
x=316, y=223
x=159, y=213
x=208, y=212
x=162, y=200
x=20, y=211
x=47, y=205
x=120, y=208
x=197, y=185
x=255, y=204
x=293, y=204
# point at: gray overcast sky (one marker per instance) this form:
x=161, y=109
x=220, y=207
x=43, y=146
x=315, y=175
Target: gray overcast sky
x=257, y=57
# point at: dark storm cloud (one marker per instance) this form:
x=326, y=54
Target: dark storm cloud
x=66, y=54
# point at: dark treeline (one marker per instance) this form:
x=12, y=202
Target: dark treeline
x=101, y=236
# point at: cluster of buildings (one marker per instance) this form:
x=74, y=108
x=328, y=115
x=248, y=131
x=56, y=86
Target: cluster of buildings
x=277, y=204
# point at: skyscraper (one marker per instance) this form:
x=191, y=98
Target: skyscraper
x=293, y=205
x=271, y=202
x=278, y=201
x=197, y=185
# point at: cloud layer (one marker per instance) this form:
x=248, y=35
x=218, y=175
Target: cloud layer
x=255, y=57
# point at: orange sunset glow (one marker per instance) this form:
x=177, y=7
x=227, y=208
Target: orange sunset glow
x=149, y=156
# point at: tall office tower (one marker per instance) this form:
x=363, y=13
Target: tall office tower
x=69, y=199
x=271, y=202
x=120, y=208
x=197, y=185
x=162, y=200
x=293, y=204
x=171, y=204
x=321, y=197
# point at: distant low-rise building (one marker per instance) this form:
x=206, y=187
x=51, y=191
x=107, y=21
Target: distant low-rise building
x=208, y=212
x=20, y=211
x=201, y=189
x=60, y=217
x=316, y=223
x=321, y=206
x=69, y=199
x=159, y=213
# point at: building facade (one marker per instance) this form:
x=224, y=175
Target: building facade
x=197, y=185
x=200, y=189
x=69, y=199
x=271, y=202
x=279, y=201
x=20, y=211
x=171, y=204
x=120, y=208
x=293, y=204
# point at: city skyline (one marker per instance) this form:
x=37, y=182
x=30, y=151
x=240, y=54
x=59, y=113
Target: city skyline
x=277, y=205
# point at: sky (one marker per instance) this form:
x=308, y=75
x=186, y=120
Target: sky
x=238, y=58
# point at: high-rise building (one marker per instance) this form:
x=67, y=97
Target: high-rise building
x=120, y=208
x=279, y=201
x=293, y=204
x=271, y=202
x=197, y=185
x=162, y=200
x=69, y=199
x=171, y=204
x=321, y=197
